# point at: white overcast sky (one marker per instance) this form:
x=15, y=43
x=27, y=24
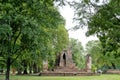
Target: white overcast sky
x=68, y=14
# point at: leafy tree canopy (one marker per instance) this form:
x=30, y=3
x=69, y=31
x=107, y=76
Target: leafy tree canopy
x=102, y=19
x=77, y=53
x=27, y=26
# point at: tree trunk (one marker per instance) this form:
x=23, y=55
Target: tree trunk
x=25, y=67
x=57, y=61
x=1, y=71
x=114, y=66
x=30, y=69
x=35, y=68
x=19, y=70
x=39, y=69
x=8, y=70
x=25, y=71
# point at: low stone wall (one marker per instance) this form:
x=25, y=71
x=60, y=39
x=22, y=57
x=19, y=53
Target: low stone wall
x=66, y=74
x=113, y=71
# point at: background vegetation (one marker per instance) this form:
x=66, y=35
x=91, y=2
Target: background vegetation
x=34, y=31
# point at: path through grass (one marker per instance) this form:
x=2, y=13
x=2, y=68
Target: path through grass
x=101, y=77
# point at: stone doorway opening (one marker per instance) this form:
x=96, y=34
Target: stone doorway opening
x=64, y=59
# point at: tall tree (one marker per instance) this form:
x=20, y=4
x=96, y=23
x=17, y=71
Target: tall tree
x=94, y=48
x=77, y=53
x=106, y=24
x=22, y=23
x=58, y=42
x=102, y=19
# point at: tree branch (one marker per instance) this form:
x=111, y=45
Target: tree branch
x=16, y=56
x=16, y=39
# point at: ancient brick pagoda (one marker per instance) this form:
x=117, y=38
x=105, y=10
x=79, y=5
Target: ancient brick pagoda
x=64, y=62
x=66, y=66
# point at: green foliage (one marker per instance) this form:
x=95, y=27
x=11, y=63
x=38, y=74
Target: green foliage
x=59, y=41
x=27, y=31
x=77, y=53
x=94, y=68
x=94, y=48
x=2, y=62
x=103, y=20
x=105, y=23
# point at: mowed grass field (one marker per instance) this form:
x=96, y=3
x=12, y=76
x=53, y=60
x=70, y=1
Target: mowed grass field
x=101, y=77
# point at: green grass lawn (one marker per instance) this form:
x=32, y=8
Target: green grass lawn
x=101, y=77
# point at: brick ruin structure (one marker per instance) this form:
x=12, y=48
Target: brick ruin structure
x=65, y=59
x=64, y=63
x=88, y=63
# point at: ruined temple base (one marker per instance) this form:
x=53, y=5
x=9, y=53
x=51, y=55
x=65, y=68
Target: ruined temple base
x=67, y=74
x=66, y=67
x=67, y=71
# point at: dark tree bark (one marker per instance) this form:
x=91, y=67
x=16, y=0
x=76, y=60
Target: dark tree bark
x=8, y=69
x=1, y=70
x=35, y=68
x=57, y=61
x=114, y=66
x=25, y=67
x=19, y=70
x=30, y=69
x=39, y=69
